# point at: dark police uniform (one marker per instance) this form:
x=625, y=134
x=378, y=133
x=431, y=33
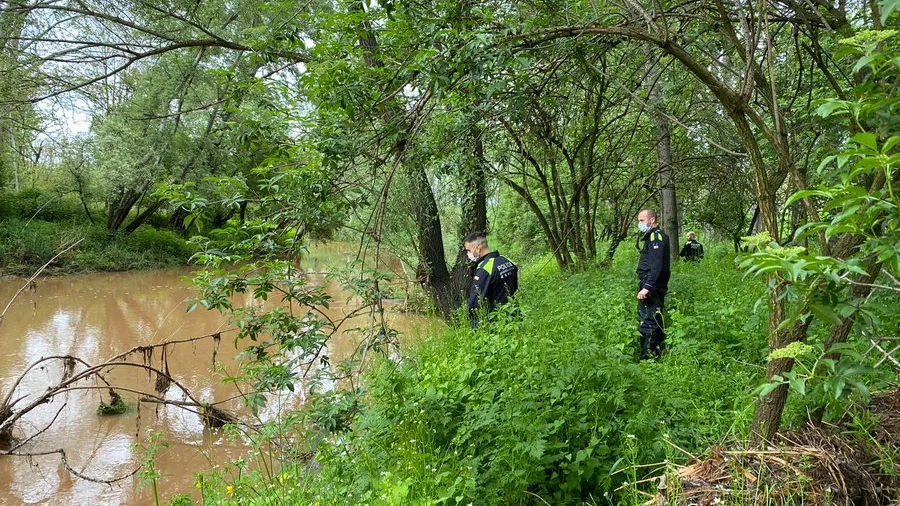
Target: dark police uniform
x=653, y=274
x=496, y=279
x=692, y=251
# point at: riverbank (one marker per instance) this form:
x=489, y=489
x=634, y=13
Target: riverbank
x=96, y=317
x=26, y=245
x=549, y=409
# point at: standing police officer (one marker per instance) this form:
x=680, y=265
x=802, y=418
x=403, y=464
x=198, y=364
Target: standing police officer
x=653, y=275
x=496, y=279
x=693, y=250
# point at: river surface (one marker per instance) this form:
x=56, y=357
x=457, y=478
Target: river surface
x=95, y=317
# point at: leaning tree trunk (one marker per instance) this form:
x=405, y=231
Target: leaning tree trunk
x=444, y=291
x=767, y=418
x=121, y=207
x=143, y=217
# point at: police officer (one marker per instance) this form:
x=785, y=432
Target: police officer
x=692, y=250
x=653, y=275
x=496, y=279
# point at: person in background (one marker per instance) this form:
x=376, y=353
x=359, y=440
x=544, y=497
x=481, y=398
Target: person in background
x=692, y=250
x=653, y=282
x=495, y=281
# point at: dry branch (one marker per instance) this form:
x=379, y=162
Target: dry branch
x=814, y=466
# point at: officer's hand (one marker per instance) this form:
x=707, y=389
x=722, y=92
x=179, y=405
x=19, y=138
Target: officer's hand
x=643, y=294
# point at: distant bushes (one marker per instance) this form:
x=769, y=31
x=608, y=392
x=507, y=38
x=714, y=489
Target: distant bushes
x=39, y=205
x=25, y=245
x=35, y=225
x=161, y=243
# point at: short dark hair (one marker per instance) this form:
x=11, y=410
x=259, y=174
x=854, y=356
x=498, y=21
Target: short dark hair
x=476, y=237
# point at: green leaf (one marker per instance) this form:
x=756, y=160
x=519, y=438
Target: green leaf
x=862, y=62
x=765, y=389
x=866, y=139
x=832, y=106
x=890, y=143
x=839, y=388
x=825, y=313
x=798, y=385
x=825, y=161
x=888, y=7
x=862, y=390
x=806, y=193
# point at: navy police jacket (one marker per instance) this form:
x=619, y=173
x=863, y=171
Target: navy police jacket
x=496, y=279
x=653, y=268
x=692, y=251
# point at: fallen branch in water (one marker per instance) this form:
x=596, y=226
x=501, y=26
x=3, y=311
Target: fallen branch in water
x=73, y=374
x=70, y=378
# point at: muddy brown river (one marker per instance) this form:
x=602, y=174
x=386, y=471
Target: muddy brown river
x=96, y=317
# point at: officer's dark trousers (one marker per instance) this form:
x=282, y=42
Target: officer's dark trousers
x=651, y=324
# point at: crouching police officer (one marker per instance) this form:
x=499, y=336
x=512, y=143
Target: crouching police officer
x=653, y=274
x=495, y=281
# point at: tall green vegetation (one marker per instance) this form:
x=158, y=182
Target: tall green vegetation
x=260, y=126
x=552, y=406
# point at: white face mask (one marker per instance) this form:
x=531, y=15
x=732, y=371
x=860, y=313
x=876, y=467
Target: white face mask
x=472, y=257
x=643, y=227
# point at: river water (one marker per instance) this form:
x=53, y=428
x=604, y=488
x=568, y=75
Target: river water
x=95, y=317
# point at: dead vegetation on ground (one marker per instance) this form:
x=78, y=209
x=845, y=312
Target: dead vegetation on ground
x=815, y=465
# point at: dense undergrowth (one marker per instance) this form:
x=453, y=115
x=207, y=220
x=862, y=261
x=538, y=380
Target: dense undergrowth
x=33, y=229
x=551, y=406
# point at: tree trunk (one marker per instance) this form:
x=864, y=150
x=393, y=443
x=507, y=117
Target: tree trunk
x=767, y=418
x=87, y=210
x=590, y=235
x=667, y=197
x=752, y=228
x=119, y=210
x=473, y=218
x=142, y=218
x=430, y=238
x=563, y=261
x=611, y=250
x=425, y=210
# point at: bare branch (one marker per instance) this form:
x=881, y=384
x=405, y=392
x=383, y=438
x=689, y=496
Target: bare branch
x=35, y=276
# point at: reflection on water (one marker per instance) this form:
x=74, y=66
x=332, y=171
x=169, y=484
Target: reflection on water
x=96, y=317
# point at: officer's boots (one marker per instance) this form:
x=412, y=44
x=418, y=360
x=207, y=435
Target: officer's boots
x=645, y=346
x=652, y=344
x=657, y=343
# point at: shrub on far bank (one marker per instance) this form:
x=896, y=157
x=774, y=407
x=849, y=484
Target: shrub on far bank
x=39, y=205
x=26, y=245
x=161, y=243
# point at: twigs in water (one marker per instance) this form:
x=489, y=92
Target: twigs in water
x=35, y=276
x=72, y=380
x=74, y=472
